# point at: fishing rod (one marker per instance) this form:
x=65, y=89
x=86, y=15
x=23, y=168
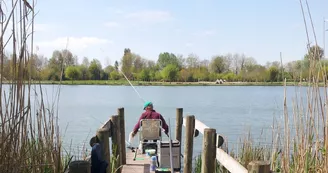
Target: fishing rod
x=170, y=143
x=132, y=86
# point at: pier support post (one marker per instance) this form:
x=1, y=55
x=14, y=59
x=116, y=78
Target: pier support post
x=209, y=151
x=103, y=136
x=190, y=126
x=116, y=141
x=179, y=122
x=120, y=112
x=259, y=167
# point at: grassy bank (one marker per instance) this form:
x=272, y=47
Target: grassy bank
x=144, y=83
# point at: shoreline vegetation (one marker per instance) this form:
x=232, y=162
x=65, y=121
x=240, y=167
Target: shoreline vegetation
x=30, y=137
x=155, y=83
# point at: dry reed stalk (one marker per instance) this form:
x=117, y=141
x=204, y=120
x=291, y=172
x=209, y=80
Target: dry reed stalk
x=29, y=138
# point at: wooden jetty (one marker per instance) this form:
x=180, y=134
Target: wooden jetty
x=114, y=128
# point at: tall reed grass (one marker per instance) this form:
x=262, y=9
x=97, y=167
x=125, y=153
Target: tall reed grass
x=299, y=140
x=29, y=132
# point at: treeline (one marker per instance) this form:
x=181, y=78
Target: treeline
x=168, y=67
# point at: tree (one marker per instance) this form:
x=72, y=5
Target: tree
x=166, y=58
x=184, y=75
x=144, y=75
x=315, y=52
x=170, y=72
x=192, y=61
x=127, y=63
x=138, y=63
x=86, y=62
x=273, y=73
x=95, y=70
x=218, y=65
x=114, y=75
x=116, y=65
x=85, y=75
x=73, y=73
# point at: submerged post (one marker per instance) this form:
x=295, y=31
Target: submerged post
x=120, y=112
x=116, y=141
x=103, y=136
x=190, y=126
x=209, y=151
x=259, y=167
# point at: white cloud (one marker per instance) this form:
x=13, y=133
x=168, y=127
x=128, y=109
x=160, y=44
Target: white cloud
x=74, y=43
x=149, y=16
x=111, y=24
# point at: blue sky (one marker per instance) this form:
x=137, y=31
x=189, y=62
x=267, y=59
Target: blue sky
x=102, y=29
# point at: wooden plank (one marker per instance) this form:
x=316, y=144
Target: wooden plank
x=106, y=125
x=198, y=125
x=228, y=162
x=225, y=159
x=140, y=165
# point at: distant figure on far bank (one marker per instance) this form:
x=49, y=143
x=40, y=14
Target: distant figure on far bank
x=150, y=113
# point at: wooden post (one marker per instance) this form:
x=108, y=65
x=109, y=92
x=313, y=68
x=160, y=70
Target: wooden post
x=116, y=141
x=80, y=166
x=209, y=151
x=178, y=128
x=179, y=122
x=120, y=112
x=259, y=167
x=190, y=126
x=103, y=136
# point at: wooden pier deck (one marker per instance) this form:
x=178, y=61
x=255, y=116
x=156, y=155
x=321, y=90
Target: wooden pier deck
x=140, y=165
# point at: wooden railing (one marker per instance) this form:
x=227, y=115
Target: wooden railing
x=211, y=142
x=113, y=128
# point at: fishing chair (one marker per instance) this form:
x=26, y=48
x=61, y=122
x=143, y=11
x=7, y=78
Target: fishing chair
x=150, y=133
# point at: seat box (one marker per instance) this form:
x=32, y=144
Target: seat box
x=163, y=152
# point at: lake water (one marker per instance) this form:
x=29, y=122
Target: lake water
x=232, y=110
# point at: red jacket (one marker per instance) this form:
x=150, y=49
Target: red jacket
x=151, y=115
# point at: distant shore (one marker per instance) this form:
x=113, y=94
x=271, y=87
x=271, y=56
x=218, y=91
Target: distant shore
x=143, y=83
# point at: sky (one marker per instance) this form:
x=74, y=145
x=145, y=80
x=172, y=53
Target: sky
x=103, y=28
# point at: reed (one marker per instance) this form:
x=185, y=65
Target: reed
x=29, y=131
x=299, y=141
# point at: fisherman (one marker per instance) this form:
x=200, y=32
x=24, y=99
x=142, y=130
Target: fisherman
x=150, y=113
x=98, y=165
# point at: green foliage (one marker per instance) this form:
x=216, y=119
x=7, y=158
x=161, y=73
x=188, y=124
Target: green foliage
x=170, y=72
x=95, y=70
x=273, y=73
x=165, y=59
x=73, y=72
x=114, y=75
x=144, y=75
x=169, y=67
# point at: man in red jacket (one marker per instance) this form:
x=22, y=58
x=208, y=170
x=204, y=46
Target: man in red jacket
x=150, y=113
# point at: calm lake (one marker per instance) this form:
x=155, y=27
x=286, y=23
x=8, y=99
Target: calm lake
x=232, y=110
